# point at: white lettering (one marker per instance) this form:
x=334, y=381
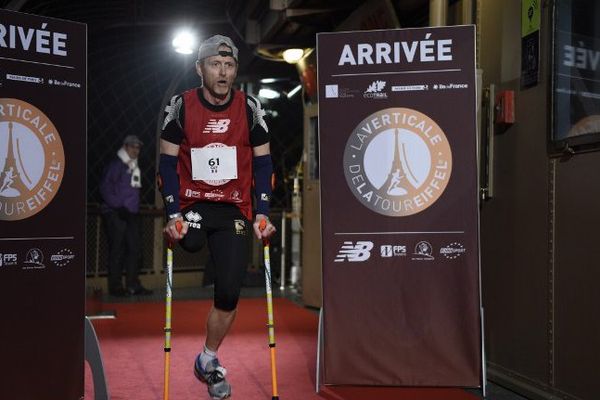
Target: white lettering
x=25, y=37
x=364, y=53
x=427, y=50
x=2, y=36
x=43, y=39
x=445, y=50
x=569, y=60
x=409, y=52
x=40, y=40
x=346, y=57
x=59, y=43
x=382, y=51
x=581, y=57
x=355, y=169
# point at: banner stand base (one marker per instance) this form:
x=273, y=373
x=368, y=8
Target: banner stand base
x=483, y=366
x=319, y=352
x=94, y=357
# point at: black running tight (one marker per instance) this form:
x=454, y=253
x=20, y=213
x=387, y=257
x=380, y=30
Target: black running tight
x=227, y=232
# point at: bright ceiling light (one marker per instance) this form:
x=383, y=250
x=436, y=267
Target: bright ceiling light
x=294, y=91
x=184, y=50
x=184, y=42
x=267, y=80
x=292, y=56
x=268, y=93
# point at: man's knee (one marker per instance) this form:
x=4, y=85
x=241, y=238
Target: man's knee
x=226, y=302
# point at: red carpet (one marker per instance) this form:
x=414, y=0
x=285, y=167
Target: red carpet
x=132, y=348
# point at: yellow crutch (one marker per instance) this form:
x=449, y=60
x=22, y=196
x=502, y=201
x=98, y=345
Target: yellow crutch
x=270, y=324
x=168, y=300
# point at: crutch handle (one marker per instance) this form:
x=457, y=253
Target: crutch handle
x=179, y=227
x=262, y=225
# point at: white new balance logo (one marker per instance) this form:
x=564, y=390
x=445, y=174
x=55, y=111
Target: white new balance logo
x=217, y=125
x=361, y=251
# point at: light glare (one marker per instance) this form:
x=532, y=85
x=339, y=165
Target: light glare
x=292, y=56
x=294, y=91
x=184, y=50
x=268, y=93
x=184, y=42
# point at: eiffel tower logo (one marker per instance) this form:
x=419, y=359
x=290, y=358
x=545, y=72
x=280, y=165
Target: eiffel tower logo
x=12, y=177
x=397, y=176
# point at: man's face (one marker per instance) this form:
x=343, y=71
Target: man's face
x=133, y=150
x=218, y=73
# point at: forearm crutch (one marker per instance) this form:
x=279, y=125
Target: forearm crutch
x=168, y=301
x=270, y=324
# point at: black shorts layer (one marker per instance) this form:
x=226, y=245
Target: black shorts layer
x=227, y=232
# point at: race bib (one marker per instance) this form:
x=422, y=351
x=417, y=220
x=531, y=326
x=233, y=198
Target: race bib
x=214, y=164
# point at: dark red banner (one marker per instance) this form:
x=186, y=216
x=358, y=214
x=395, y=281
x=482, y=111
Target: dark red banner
x=42, y=206
x=401, y=303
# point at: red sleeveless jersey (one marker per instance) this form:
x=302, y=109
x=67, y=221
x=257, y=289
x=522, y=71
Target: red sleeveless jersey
x=204, y=127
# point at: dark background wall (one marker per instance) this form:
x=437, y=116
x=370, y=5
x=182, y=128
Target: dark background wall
x=538, y=233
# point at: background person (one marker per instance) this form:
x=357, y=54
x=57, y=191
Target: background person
x=120, y=190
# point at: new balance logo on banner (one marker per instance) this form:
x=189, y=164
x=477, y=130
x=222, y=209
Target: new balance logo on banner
x=361, y=251
x=217, y=125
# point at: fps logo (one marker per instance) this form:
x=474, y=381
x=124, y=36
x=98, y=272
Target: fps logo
x=361, y=251
x=7, y=259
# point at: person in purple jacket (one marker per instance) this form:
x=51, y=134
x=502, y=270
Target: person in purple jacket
x=120, y=190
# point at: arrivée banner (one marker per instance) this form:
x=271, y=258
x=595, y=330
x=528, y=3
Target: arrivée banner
x=42, y=206
x=399, y=207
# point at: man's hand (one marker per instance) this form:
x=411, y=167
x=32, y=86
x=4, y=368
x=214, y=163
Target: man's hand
x=170, y=231
x=265, y=233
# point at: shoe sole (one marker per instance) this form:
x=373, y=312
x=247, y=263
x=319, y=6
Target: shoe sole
x=201, y=379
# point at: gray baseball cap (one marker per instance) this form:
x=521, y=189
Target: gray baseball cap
x=210, y=47
x=132, y=139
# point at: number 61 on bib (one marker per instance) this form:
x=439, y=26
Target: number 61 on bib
x=214, y=163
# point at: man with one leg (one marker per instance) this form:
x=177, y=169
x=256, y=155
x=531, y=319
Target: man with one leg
x=214, y=142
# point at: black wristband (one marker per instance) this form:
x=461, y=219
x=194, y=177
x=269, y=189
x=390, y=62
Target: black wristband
x=167, y=169
x=263, y=169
